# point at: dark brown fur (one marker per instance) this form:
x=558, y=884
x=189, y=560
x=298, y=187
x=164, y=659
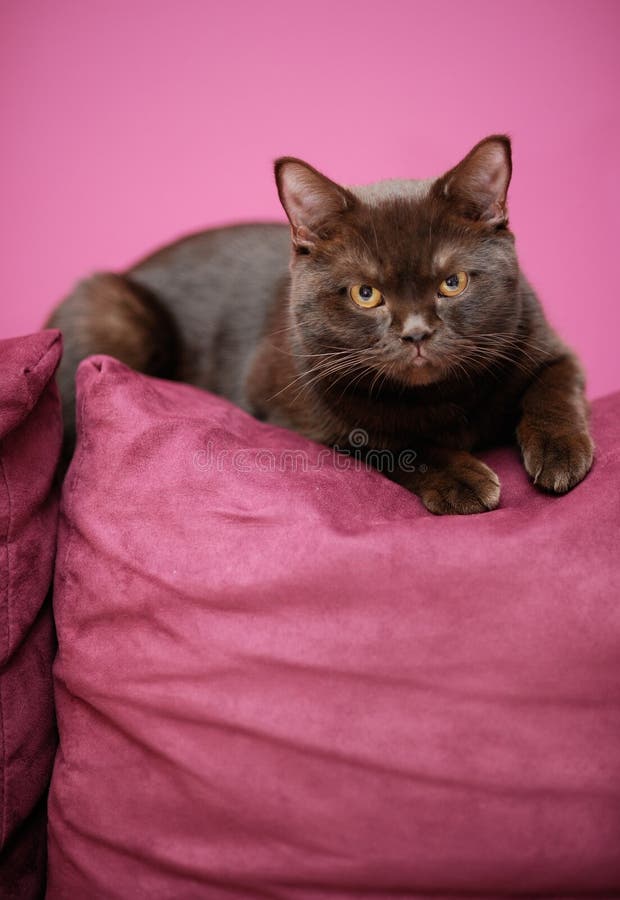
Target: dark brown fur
x=220, y=310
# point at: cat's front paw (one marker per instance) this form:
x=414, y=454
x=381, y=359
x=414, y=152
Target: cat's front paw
x=556, y=462
x=460, y=487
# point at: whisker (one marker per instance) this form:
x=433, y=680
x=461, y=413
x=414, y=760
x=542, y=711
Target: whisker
x=494, y=355
x=294, y=380
x=363, y=371
x=327, y=368
x=387, y=375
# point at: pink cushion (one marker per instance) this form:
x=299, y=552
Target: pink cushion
x=300, y=684
x=30, y=434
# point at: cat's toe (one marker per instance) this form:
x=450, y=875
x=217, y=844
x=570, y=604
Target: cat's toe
x=557, y=463
x=462, y=490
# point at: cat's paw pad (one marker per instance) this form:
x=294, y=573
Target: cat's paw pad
x=461, y=488
x=557, y=462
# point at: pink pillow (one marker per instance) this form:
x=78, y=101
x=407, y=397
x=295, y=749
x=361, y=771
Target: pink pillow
x=300, y=684
x=30, y=435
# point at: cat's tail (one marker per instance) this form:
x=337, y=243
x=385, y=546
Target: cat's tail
x=109, y=314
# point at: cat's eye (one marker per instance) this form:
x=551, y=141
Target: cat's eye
x=366, y=296
x=454, y=285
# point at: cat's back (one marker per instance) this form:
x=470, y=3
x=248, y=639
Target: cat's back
x=213, y=265
x=219, y=287
x=208, y=258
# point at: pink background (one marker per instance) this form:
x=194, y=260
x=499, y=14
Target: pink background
x=126, y=124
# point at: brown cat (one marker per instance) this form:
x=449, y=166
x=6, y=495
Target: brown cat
x=403, y=312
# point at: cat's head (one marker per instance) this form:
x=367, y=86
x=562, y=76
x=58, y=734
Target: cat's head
x=413, y=280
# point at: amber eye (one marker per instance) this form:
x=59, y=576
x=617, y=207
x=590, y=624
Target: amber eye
x=366, y=296
x=454, y=285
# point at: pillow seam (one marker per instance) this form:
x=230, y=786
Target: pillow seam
x=78, y=458
x=3, y=812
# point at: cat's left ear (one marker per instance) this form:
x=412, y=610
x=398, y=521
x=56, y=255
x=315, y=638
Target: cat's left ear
x=478, y=186
x=310, y=200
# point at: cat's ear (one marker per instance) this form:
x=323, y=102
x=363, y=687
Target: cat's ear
x=478, y=185
x=309, y=200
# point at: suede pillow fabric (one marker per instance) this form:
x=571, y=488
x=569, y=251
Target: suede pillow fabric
x=30, y=436
x=280, y=679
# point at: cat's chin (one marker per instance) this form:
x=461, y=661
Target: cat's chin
x=421, y=371
x=417, y=370
x=424, y=375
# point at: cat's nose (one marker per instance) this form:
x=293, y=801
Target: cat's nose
x=416, y=334
x=415, y=329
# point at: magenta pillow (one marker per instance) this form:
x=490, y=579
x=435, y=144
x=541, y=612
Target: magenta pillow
x=30, y=435
x=277, y=678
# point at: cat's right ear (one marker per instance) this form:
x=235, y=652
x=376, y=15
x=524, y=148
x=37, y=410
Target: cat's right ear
x=309, y=199
x=476, y=188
